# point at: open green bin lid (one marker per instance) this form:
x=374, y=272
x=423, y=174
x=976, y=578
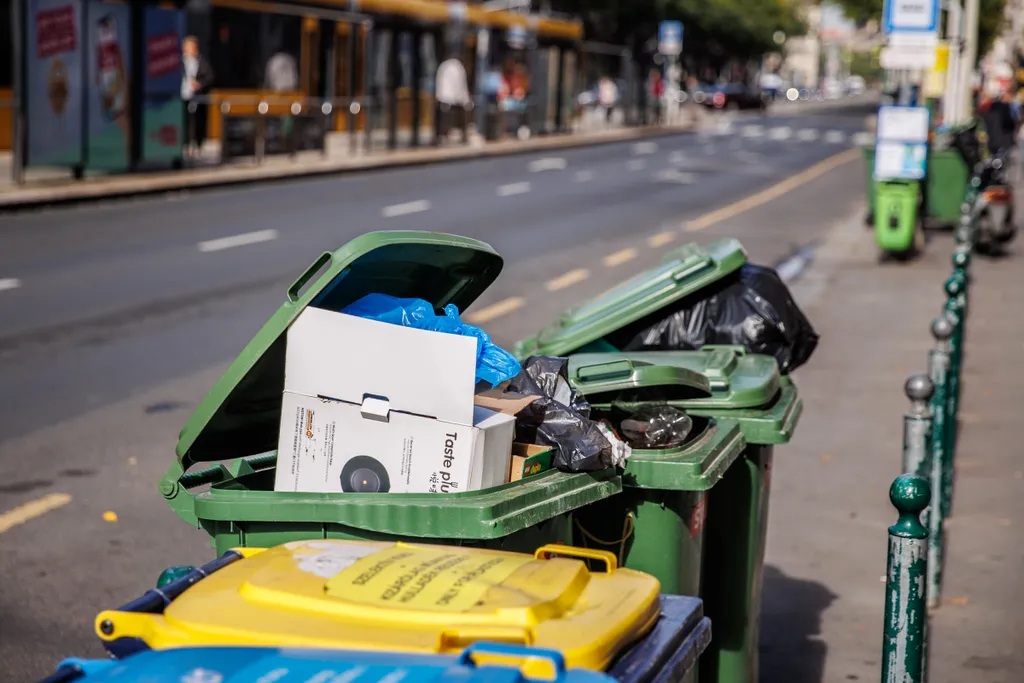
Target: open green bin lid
x=740, y=386
x=239, y=419
x=683, y=271
x=241, y=414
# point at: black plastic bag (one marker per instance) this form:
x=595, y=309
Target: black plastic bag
x=752, y=308
x=549, y=376
x=560, y=418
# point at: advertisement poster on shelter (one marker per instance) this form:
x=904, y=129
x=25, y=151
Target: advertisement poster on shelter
x=108, y=51
x=54, y=93
x=163, y=115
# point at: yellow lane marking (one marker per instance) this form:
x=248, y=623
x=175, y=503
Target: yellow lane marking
x=496, y=310
x=568, y=280
x=32, y=509
x=620, y=257
x=773, y=192
x=661, y=239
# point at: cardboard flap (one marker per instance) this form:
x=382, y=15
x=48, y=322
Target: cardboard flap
x=509, y=403
x=349, y=359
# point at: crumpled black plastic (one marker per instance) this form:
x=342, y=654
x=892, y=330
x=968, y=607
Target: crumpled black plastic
x=752, y=308
x=560, y=418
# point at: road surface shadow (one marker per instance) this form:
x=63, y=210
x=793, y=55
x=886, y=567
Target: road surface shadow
x=791, y=648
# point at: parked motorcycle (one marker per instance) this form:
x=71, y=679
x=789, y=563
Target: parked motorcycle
x=994, y=208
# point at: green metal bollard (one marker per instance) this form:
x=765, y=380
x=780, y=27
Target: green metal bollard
x=941, y=451
x=964, y=233
x=956, y=313
x=961, y=269
x=906, y=618
x=917, y=426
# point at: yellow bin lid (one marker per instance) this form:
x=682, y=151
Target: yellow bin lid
x=406, y=597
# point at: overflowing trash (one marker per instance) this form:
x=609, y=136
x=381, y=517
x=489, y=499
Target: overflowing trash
x=494, y=365
x=657, y=427
x=560, y=418
x=752, y=308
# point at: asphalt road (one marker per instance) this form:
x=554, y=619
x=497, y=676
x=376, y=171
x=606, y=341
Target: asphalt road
x=116, y=318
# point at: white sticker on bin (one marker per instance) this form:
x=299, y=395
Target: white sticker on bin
x=332, y=558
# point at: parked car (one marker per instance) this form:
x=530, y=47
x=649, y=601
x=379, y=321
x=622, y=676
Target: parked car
x=733, y=96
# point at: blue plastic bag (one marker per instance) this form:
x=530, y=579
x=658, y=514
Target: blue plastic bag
x=493, y=363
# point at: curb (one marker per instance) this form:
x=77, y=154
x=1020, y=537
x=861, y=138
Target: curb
x=219, y=177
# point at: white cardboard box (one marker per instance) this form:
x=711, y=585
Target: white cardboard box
x=399, y=399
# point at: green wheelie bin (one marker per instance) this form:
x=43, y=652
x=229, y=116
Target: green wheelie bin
x=948, y=176
x=657, y=525
x=745, y=387
x=222, y=479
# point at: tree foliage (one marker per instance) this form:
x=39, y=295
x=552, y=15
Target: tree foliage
x=990, y=18
x=715, y=31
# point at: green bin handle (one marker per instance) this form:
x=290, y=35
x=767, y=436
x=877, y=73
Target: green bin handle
x=176, y=483
x=314, y=268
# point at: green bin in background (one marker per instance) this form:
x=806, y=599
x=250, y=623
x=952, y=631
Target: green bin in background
x=608, y=322
x=657, y=525
x=747, y=388
x=948, y=176
x=236, y=426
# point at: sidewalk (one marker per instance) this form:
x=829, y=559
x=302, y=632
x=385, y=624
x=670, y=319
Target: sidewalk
x=824, y=579
x=57, y=186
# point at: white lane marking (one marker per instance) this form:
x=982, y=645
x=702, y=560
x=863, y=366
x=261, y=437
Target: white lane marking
x=242, y=240
x=645, y=148
x=395, y=210
x=636, y=165
x=620, y=257
x=513, y=189
x=671, y=175
x=723, y=127
x=782, y=133
x=568, y=280
x=547, y=164
x=584, y=176
x=754, y=131
x=806, y=134
x=676, y=158
x=32, y=509
x=863, y=138
x=661, y=239
x=496, y=310
x=834, y=137
x=9, y=283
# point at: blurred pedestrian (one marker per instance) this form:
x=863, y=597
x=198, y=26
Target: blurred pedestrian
x=196, y=80
x=1000, y=124
x=657, y=93
x=451, y=89
x=282, y=73
x=607, y=97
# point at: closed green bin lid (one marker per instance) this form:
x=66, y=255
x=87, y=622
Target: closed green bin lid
x=733, y=377
x=239, y=419
x=683, y=271
x=742, y=386
x=697, y=465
